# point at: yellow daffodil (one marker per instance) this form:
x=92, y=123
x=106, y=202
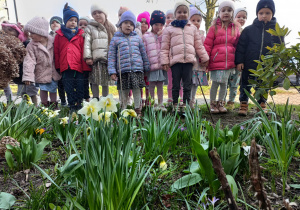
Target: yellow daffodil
x=163, y=165
x=64, y=120
x=108, y=103
x=40, y=131
x=124, y=119
x=128, y=112
x=88, y=131
x=104, y=116
x=90, y=109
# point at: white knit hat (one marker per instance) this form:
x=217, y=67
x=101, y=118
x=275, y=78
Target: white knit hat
x=38, y=25
x=226, y=4
x=85, y=18
x=239, y=10
x=170, y=11
x=182, y=3
x=96, y=7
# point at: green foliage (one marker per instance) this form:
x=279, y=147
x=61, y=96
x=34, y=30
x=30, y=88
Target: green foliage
x=28, y=152
x=6, y=200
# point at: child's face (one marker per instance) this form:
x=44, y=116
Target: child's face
x=265, y=14
x=226, y=14
x=55, y=26
x=144, y=25
x=72, y=22
x=99, y=16
x=36, y=37
x=82, y=24
x=182, y=13
x=196, y=20
x=127, y=27
x=157, y=27
x=241, y=17
x=10, y=31
x=169, y=19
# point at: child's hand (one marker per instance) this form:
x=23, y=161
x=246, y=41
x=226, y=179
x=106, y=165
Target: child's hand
x=240, y=67
x=166, y=67
x=27, y=82
x=204, y=64
x=113, y=77
x=159, y=32
x=89, y=62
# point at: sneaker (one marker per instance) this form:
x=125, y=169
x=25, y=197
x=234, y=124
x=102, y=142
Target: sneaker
x=221, y=107
x=243, y=111
x=214, y=107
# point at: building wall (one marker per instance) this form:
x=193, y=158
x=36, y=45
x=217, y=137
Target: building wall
x=3, y=10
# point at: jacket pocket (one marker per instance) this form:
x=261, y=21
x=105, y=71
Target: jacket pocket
x=216, y=55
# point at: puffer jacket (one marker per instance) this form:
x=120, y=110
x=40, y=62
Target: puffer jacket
x=180, y=45
x=129, y=51
x=253, y=42
x=95, y=42
x=221, y=46
x=152, y=44
x=38, y=65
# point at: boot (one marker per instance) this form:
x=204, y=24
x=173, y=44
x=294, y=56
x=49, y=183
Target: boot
x=263, y=106
x=221, y=107
x=214, y=107
x=243, y=111
x=230, y=104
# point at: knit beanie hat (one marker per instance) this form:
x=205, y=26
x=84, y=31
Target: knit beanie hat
x=265, y=4
x=194, y=11
x=122, y=10
x=57, y=19
x=37, y=25
x=157, y=16
x=226, y=4
x=145, y=15
x=85, y=18
x=21, y=35
x=182, y=3
x=96, y=7
x=170, y=11
x=128, y=15
x=69, y=12
x=240, y=10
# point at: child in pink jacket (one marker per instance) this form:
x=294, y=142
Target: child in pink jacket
x=38, y=66
x=180, y=44
x=220, y=44
x=152, y=41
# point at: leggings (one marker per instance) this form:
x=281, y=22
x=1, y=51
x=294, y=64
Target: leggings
x=214, y=89
x=160, y=91
x=136, y=97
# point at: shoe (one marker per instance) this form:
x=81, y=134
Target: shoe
x=64, y=104
x=221, y=107
x=243, y=111
x=46, y=105
x=214, y=107
x=192, y=104
x=263, y=106
x=176, y=107
x=230, y=104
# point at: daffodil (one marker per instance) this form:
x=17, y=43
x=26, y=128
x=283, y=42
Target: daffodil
x=104, y=116
x=40, y=131
x=64, y=120
x=52, y=114
x=108, y=103
x=163, y=165
x=124, y=119
x=128, y=112
x=88, y=131
x=90, y=109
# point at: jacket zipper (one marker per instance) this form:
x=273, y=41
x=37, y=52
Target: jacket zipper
x=216, y=56
x=128, y=38
x=226, y=47
x=184, y=51
x=262, y=41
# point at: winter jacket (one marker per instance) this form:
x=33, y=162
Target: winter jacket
x=197, y=66
x=253, y=42
x=129, y=51
x=152, y=44
x=221, y=46
x=69, y=54
x=18, y=80
x=180, y=45
x=38, y=65
x=95, y=42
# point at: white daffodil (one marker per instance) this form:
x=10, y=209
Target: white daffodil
x=53, y=113
x=64, y=120
x=90, y=109
x=128, y=112
x=104, y=116
x=108, y=103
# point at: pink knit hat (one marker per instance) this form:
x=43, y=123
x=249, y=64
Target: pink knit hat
x=145, y=15
x=21, y=36
x=38, y=25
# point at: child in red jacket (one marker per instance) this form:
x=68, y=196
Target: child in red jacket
x=68, y=49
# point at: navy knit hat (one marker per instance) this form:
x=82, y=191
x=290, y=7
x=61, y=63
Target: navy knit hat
x=128, y=15
x=157, y=16
x=57, y=19
x=69, y=12
x=265, y=4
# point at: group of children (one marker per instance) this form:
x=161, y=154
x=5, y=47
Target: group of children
x=83, y=51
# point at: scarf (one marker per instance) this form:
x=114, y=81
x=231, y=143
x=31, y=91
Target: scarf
x=179, y=23
x=68, y=32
